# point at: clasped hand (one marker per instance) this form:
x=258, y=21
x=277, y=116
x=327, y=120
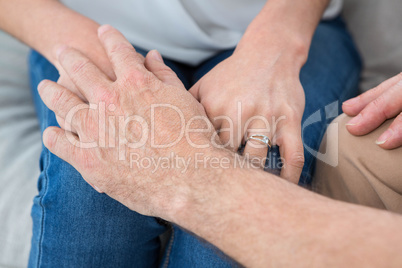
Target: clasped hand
x=93, y=139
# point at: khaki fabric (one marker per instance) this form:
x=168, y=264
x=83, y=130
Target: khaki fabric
x=366, y=174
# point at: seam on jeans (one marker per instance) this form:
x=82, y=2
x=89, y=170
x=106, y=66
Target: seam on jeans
x=169, y=249
x=45, y=174
x=43, y=208
x=349, y=83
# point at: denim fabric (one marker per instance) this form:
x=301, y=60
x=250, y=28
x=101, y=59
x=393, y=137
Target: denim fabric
x=74, y=226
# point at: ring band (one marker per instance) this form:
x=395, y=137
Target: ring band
x=261, y=138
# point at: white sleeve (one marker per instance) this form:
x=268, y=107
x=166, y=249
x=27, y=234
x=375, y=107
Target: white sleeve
x=333, y=10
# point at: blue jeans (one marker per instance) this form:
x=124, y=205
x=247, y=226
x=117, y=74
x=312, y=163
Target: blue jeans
x=74, y=226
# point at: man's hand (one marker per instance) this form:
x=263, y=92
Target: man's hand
x=99, y=142
x=375, y=106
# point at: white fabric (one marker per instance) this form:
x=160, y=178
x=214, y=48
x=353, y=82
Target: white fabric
x=20, y=147
x=189, y=31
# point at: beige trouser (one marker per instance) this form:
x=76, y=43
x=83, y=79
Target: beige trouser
x=366, y=174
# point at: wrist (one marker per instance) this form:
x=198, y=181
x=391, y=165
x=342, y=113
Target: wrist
x=52, y=24
x=284, y=28
x=194, y=187
x=270, y=46
x=209, y=183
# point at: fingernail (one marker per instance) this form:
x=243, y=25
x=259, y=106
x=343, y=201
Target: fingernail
x=48, y=138
x=355, y=121
x=385, y=137
x=97, y=189
x=40, y=85
x=351, y=101
x=103, y=29
x=94, y=186
x=60, y=49
x=156, y=55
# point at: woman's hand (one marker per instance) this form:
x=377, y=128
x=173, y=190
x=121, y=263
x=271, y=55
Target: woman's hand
x=375, y=106
x=263, y=76
x=249, y=94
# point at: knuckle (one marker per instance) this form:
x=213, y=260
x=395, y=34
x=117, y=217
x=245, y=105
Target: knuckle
x=59, y=98
x=248, y=106
x=165, y=71
x=145, y=81
x=79, y=65
x=121, y=47
x=377, y=106
x=90, y=126
x=86, y=123
x=297, y=160
x=147, y=96
x=378, y=103
x=286, y=108
x=291, y=114
x=108, y=96
x=373, y=92
x=133, y=77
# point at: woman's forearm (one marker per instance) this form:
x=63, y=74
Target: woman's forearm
x=284, y=26
x=46, y=24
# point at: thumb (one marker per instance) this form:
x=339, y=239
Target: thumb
x=154, y=63
x=195, y=89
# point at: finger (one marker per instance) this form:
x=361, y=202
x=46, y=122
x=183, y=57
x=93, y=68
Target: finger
x=386, y=106
x=84, y=74
x=194, y=90
x=61, y=101
x=64, y=125
x=234, y=125
x=66, y=82
x=392, y=137
x=231, y=129
x=255, y=149
x=121, y=53
x=231, y=133
x=354, y=106
x=65, y=145
x=60, y=121
x=61, y=143
x=291, y=150
x=154, y=63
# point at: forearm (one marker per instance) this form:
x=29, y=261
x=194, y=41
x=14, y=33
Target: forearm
x=284, y=27
x=260, y=219
x=46, y=24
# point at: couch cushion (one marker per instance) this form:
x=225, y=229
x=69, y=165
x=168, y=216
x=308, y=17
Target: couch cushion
x=20, y=147
x=377, y=29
